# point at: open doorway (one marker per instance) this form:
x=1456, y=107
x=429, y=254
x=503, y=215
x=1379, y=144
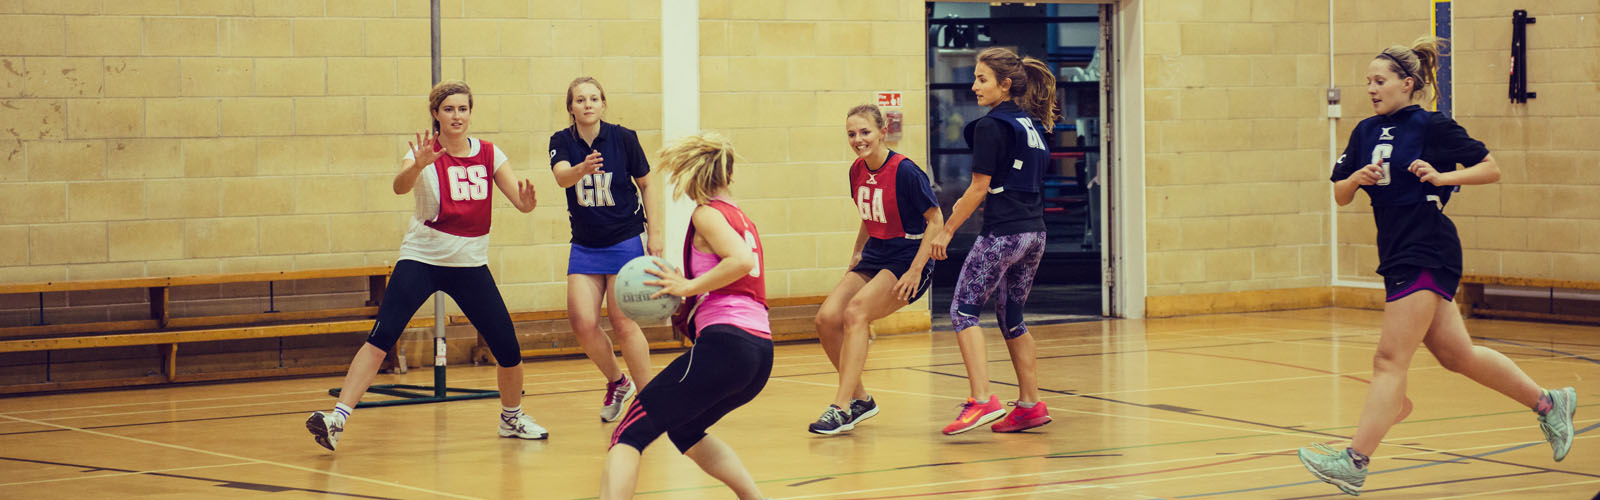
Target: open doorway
x=1071, y=40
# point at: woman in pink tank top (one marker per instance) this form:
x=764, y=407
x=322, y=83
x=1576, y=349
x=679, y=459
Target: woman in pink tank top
x=732, y=336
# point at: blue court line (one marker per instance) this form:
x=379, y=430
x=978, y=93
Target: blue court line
x=1419, y=466
x=1574, y=356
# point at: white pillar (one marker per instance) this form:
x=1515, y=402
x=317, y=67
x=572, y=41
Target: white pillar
x=680, y=104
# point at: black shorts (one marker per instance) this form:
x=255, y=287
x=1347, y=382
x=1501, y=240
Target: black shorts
x=1406, y=280
x=870, y=266
x=691, y=394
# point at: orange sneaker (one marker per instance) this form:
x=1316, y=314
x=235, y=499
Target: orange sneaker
x=974, y=414
x=1022, y=419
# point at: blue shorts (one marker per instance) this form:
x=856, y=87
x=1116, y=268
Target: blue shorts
x=607, y=260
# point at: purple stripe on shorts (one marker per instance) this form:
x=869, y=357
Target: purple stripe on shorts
x=1424, y=282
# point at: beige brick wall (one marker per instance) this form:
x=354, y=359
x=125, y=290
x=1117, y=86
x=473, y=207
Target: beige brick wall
x=1236, y=145
x=159, y=138
x=778, y=78
x=1538, y=221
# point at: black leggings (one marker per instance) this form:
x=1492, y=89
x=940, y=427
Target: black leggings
x=473, y=290
x=687, y=397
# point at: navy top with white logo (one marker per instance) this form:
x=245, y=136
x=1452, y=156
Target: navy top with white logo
x=1412, y=227
x=604, y=207
x=1010, y=147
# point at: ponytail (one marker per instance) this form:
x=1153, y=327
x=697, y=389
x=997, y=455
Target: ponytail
x=1420, y=62
x=1039, y=96
x=1033, y=85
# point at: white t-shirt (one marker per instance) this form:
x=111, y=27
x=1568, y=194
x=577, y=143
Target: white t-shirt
x=432, y=246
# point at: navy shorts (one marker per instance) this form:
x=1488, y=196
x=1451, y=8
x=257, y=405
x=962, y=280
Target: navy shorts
x=871, y=267
x=607, y=260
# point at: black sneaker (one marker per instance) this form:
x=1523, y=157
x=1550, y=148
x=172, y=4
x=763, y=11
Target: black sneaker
x=833, y=421
x=863, y=409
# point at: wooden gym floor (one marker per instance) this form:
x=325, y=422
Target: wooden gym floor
x=1208, y=406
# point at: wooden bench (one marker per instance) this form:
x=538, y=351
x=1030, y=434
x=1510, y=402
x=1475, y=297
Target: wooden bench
x=162, y=329
x=1472, y=303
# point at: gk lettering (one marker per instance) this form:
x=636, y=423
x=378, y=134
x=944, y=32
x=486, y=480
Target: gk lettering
x=594, y=190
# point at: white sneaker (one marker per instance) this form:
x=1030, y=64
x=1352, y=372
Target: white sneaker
x=522, y=427
x=325, y=428
x=617, y=395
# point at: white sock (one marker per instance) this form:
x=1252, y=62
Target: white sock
x=1021, y=404
x=341, y=412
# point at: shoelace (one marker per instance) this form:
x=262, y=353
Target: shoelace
x=835, y=415
x=1326, y=450
x=614, y=391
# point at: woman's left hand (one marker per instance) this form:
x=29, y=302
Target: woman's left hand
x=1426, y=173
x=940, y=245
x=908, y=284
x=672, y=282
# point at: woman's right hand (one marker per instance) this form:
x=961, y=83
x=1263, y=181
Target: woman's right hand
x=591, y=164
x=1366, y=176
x=426, y=149
x=854, y=259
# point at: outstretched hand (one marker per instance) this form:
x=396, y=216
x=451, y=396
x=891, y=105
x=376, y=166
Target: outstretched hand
x=592, y=163
x=426, y=149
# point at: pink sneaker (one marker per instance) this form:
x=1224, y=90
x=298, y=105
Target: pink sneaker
x=974, y=414
x=1022, y=419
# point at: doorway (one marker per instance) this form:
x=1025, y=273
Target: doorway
x=1071, y=39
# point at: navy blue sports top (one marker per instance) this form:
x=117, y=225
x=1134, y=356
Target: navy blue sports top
x=1008, y=145
x=1412, y=227
x=604, y=207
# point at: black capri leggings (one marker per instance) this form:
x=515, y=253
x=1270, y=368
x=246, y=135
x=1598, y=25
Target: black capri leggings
x=724, y=370
x=472, y=288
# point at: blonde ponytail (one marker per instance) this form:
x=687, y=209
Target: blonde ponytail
x=698, y=165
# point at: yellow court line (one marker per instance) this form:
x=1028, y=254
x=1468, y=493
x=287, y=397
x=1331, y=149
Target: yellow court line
x=125, y=474
x=237, y=457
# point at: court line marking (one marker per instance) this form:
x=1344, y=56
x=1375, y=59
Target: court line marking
x=1124, y=448
x=1514, y=446
x=1083, y=412
x=248, y=459
x=124, y=474
x=1539, y=487
x=1254, y=431
x=1480, y=456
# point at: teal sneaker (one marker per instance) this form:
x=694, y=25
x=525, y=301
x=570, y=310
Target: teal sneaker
x=1334, y=467
x=1557, y=424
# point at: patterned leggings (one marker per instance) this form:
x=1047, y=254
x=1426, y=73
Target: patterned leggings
x=1005, y=263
